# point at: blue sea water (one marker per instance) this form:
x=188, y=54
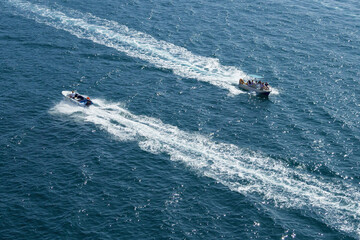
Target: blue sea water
x=172, y=148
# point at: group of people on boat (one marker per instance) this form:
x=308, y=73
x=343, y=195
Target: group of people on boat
x=255, y=84
x=80, y=98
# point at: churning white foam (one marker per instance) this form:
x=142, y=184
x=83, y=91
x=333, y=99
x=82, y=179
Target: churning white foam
x=243, y=171
x=135, y=44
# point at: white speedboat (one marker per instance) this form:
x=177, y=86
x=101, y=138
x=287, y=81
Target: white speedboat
x=77, y=99
x=259, y=89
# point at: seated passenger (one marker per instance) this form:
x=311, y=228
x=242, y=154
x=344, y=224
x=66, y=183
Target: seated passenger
x=88, y=101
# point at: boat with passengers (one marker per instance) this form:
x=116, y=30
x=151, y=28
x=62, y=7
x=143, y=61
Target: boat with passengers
x=256, y=86
x=77, y=98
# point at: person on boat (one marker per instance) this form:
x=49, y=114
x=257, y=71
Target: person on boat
x=262, y=86
x=89, y=102
x=266, y=86
x=241, y=81
x=83, y=100
x=79, y=98
x=72, y=94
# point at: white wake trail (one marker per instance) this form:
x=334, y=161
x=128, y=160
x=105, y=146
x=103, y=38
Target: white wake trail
x=249, y=173
x=135, y=44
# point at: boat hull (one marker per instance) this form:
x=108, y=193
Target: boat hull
x=256, y=90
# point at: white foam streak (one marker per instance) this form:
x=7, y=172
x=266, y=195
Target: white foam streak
x=241, y=170
x=136, y=44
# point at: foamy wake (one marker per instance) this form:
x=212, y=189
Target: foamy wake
x=249, y=173
x=135, y=44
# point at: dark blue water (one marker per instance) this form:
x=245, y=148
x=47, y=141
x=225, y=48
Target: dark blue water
x=172, y=148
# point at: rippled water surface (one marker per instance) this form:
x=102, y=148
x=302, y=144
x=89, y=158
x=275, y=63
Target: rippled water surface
x=172, y=148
